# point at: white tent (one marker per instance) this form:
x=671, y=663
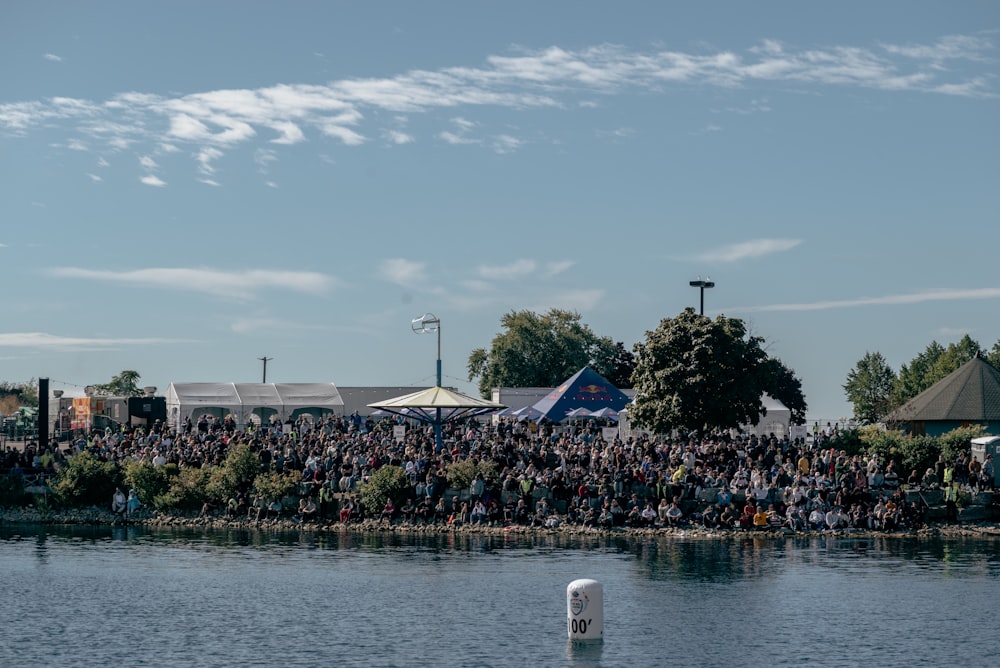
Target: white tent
x=776, y=421
x=242, y=400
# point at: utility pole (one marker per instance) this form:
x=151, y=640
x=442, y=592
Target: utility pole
x=265, y=361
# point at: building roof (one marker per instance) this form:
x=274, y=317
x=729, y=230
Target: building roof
x=970, y=393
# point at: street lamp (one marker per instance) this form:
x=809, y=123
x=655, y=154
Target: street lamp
x=702, y=285
x=425, y=324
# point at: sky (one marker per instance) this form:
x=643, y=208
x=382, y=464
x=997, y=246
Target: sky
x=189, y=187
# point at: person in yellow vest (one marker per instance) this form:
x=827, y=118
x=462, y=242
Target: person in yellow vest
x=951, y=493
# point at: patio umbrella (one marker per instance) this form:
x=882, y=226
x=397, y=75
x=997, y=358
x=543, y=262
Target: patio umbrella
x=605, y=412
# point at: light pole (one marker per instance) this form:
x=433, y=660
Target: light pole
x=426, y=323
x=702, y=285
x=265, y=360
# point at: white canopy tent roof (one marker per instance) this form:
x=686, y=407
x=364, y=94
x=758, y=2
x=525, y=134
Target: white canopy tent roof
x=776, y=421
x=241, y=400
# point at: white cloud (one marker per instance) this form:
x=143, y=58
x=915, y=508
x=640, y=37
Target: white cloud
x=516, y=269
x=50, y=341
x=289, y=132
x=748, y=249
x=557, y=267
x=552, y=77
x=506, y=144
x=147, y=162
x=889, y=300
x=233, y=284
x=52, y=58
x=205, y=158
x=403, y=272
x=94, y=177
x=397, y=137
x=151, y=180
x=453, y=138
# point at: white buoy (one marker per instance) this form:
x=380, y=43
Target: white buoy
x=585, y=610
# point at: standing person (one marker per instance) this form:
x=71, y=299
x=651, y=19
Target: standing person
x=951, y=502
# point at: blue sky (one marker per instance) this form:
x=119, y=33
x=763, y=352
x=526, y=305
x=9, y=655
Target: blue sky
x=190, y=186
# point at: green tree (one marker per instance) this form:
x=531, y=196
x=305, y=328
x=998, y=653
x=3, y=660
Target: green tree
x=125, y=384
x=15, y=395
x=622, y=367
x=912, y=378
x=869, y=388
x=693, y=373
x=787, y=388
x=993, y=356
x=954, y=356
x=540, y=351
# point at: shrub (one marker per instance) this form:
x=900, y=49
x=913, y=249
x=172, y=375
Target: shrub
x=86, y=480
x=887, y=444
x=959, y=441
x=148, y=480
x=849, y=441
x=186, y=491
x=919, y=452
x=235, y=474
x=461, y=474
x=274, y=486
x=387, y=482
x=11, y=491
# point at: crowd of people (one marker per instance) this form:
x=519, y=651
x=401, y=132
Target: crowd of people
x=545, y=475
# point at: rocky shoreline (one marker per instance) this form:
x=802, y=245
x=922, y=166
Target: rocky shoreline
x=95, y=516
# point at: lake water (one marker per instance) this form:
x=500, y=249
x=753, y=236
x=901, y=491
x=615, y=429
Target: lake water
x=140, y=597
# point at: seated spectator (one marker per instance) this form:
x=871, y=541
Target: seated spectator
x=760, y=522
x=407, y=510
x=710, y=518
x=675, y=516
x=388, y=511
x=649, y=515
x=307, y=508
x=478, y=515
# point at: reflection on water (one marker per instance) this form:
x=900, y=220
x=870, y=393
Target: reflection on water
x=184, y=597
x=661, y=558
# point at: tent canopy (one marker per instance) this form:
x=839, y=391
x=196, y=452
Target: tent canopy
x=186, y=400
x=423, y=405
x=585, y=389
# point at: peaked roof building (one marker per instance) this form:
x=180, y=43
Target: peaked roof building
x=969, y=395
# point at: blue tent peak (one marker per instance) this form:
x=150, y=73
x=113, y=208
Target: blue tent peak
x=585, y=389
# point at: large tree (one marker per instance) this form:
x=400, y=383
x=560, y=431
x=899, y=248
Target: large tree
x=993, y=356
x=125, y=384
x=935, y=363
x=787, y=388
x=914, y=377
x=541, y=351
x=869, y=388
x=695, y=373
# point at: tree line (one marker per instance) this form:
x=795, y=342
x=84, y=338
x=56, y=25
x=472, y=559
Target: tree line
x=875, y=389
x=691, y=373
